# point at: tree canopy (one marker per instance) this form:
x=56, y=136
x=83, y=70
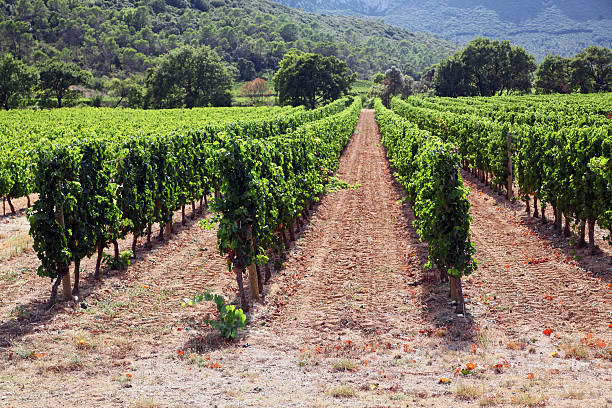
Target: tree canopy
x=16, y=81
x=485, y=68
x=57, y=77
x=120, y=38
x=554, y=75
x=190, y=77
x=592, y=70
x=311, y=79
x=394, y=83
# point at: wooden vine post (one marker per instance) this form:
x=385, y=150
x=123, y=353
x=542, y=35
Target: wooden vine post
x=510, y=178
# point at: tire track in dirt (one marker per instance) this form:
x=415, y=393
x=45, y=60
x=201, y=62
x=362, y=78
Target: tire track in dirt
x=525, y=284
x=348, y=275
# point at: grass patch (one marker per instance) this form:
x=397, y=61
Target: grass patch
x=575, y=350
x=15, y=246
x=344, y=364
x=528, y=399
x=573, y=393
x=83, y=342
x=490, y=401
x=344, y=391
x=145, y=403
x=468, y=392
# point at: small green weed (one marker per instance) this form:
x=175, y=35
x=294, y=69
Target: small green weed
x=122, y=263
x=230, y=318
x=335, y=184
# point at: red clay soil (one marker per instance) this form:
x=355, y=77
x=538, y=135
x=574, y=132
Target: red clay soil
x=351, y=319
x=527, y=275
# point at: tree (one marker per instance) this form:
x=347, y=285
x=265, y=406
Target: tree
x=128, y=91
x=16, y=81
x=255, y=90
x=190, y=77
x=378, y=78
x=554, y=75
x=451, y=78
x=15, y=37
x=57, y=77
x=310, y=79
x=519, y=76
x=592, y=70
x=246, y=70
x=289, y=32
x=394, y=84
x=485, y=68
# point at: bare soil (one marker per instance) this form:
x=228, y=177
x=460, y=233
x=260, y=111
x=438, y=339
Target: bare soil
x=352, y=318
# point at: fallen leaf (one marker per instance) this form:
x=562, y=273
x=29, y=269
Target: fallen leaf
x=547, y=332
x=444, y=380
x=530, y=376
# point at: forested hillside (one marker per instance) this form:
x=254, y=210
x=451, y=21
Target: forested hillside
x=123, y=37
x=542, y=26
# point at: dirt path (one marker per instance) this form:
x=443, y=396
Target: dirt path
x=526, y=280
x=350, y=320
x=357, y=259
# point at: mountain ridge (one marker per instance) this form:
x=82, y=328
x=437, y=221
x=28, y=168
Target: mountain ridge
x=562, y=27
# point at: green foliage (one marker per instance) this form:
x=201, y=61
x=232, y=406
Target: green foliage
x=129, y=91
x=230, y=318
x=428, y=170
x=554, y=75
x=560, y=145
x=16, y=81
x=57, y=77
x=56, y=179
x=335, y=184
x=122, y=263
x=190, y=77
x=311, y=79
x=122, y=38
x=128, y=175
x=485, y=68
x=592, y=70
x=393, y=84
x=267, y=182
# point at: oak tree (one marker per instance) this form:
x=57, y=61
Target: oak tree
x=311, y=79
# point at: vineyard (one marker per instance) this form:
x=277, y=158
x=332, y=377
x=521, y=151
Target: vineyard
x=395, y=256
x=556, y=150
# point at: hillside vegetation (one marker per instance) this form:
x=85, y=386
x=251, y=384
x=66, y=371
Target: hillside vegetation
x=123, y=37
x=557, y=26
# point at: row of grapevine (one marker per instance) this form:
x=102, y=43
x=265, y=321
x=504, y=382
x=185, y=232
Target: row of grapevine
x=563, y=113
x=517, y=113
x=428, y=169
x=566, y=168
x=268, y=184
x=572, y=104
x=93, y=192
x=22, y=132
